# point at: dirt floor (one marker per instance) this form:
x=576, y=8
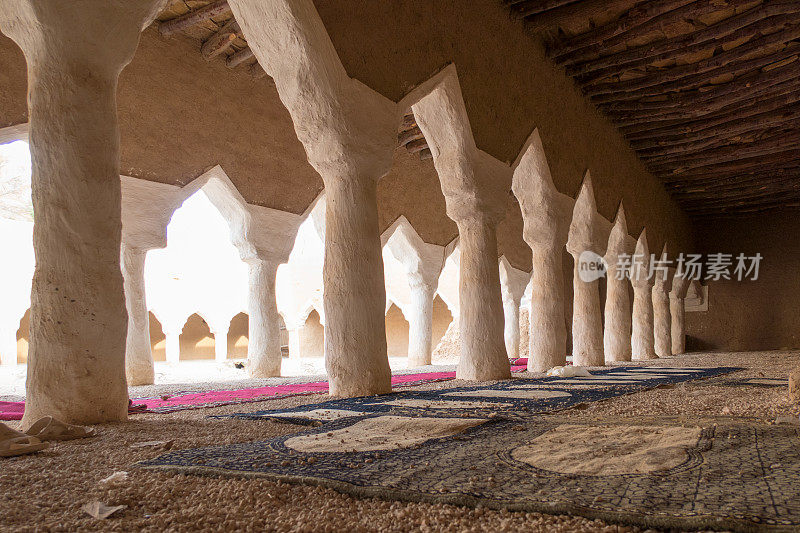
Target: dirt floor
x=45, y=492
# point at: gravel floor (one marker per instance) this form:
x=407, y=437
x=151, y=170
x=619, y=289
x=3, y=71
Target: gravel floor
x=46, y=491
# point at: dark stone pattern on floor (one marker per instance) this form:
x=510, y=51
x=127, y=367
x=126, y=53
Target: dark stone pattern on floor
x=738, y=477
x=574, y=390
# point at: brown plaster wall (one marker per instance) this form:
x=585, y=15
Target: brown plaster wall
x=751, y=315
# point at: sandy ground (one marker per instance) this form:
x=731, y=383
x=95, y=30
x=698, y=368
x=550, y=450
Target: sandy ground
x=44, y=492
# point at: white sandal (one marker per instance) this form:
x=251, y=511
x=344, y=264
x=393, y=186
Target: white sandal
x=13, y=443
x=49, y=428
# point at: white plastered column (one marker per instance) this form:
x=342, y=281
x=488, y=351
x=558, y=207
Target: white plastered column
x=76, y=366
x=350, y=135
x=264, y=334
x=139, y=368
x=677, y=312
x=642, y=339
x=588, y=232
x=662, y=323
x=220, y=331
x=147, y=208
x=473, y=185
x=423, y=262
x=272, y=234
x=617, y=328
x=512, y=285
x=546, y=215
x=172, y=345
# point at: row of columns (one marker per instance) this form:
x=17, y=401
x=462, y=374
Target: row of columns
x=77, y=361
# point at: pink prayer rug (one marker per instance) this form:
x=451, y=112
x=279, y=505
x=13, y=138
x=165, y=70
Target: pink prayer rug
x=199, y=400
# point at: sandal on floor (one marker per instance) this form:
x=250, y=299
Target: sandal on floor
x=49, y=428
x=14, y=443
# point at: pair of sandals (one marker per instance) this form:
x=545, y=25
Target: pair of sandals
x=13, y=442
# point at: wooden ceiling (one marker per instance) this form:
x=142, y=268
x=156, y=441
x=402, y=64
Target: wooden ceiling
x=707, y=92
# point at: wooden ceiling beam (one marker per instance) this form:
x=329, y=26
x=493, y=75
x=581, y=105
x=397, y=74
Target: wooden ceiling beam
x=727, y=93
x=527, y=8
x=725, y=131
x=781, y=161
x=702, y=109
x=732, y=122
x=566, y=51
x=776, y=201
x=584, y=10
x=751, y=178
x=727, y=153
x=694, y=81
x=769, y=26
x=723, y=189
x=638, y=22
x=645, y=129
x=237, y=58
x=733, y=198
x=192, y=18
x=713, y=67
x=770, y=14
x=740, y=142
x=789, y=155
x=717, y=176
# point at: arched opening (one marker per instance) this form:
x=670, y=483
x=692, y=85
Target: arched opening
x=238, y=336
x=312, y=337
x=24, y=337
x=199, y=271
x=396, y=332
x=441, y=320
x=196, y=339
x=158, y=340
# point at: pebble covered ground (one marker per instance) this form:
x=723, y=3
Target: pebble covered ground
x=45, y=492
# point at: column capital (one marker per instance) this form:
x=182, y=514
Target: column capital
x=109, y=31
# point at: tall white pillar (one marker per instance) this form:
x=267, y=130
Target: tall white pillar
x=172, y=346
x=588, y=238
x=295, y=343
x=680, y=286
x=220, y=333
x=642, y=338
x=350, y=134
x=617, y=330
x=420, y=322
x=483, y=350
x=546, y=214
x=76, y=365
x=512, y=285
x=474, y=186
x=662, y=323
x=139, y=368
x=264, y=340
x=423, y=263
